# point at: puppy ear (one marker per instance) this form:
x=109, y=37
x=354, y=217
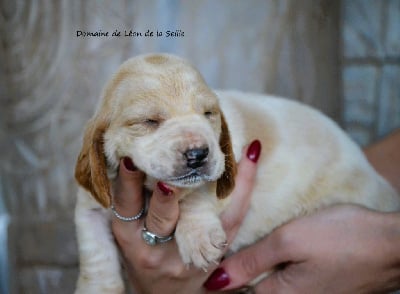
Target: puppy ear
x=91, y=168
x=226, y=182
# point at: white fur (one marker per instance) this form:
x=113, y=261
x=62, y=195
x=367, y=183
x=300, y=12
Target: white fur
x=307, y=163
x=98, y=255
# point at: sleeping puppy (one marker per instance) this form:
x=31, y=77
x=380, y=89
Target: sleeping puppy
x=158, y=111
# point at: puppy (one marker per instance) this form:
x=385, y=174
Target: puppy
x=158, y=111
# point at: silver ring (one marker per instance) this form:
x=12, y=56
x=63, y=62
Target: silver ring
x=153, y=239
x=125, y=218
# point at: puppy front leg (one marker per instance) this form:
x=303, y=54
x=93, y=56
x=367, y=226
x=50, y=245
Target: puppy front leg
x=199, y=233
x=98, y=255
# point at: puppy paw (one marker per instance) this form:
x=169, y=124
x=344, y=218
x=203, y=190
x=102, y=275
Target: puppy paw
x=200, y=244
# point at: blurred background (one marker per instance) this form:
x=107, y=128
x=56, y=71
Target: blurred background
x=342, y=57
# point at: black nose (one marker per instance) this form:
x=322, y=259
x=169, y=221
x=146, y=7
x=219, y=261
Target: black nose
x=196, y=157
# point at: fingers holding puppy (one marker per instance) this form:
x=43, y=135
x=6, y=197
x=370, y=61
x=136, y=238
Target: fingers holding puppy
x=144, y=262
x=163, y=211
x=161, y=219
x=129, y=201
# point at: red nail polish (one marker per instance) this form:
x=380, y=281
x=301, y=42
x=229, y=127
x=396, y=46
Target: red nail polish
x=128, y=163
x=164, y=188
x=218, y=280
x=253, y=153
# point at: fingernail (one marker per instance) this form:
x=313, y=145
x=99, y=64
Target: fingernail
x=128, y=163
x=253, y=153
x=218, y=280
x=164, y=188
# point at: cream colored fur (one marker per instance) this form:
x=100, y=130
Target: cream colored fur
x=307, y=162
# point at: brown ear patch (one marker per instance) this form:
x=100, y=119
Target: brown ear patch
x=226, y=182
x=156, y=59
x=91, y=167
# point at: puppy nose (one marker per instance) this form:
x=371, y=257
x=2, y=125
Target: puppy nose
x=196, y=157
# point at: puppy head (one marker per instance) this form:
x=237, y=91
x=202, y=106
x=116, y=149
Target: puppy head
x=158, y=111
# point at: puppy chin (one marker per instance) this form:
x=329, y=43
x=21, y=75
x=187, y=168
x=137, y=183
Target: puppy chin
x=190, y=180
x=191, y=183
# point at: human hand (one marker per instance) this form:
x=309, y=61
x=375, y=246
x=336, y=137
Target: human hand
x=159, y=269
x=342, y=249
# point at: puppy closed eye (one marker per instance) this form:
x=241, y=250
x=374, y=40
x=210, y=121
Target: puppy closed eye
x=152, y=122
x=147, y=122
x=208, y=114
x=211, y=114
